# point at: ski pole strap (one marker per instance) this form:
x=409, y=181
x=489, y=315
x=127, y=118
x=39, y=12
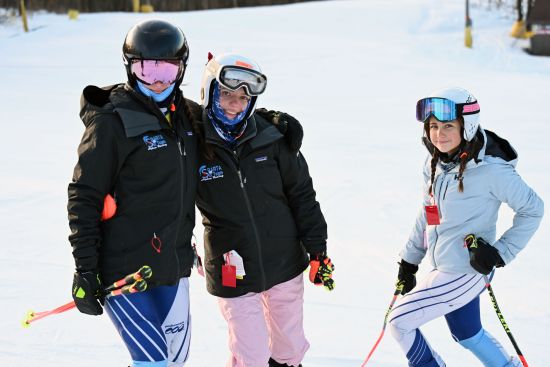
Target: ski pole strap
x=470, y=241
x=503, y=321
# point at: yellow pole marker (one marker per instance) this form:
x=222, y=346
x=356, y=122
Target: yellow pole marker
x=24, y=16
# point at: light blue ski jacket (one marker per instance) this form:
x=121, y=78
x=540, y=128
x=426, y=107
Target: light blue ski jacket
x=488, y=183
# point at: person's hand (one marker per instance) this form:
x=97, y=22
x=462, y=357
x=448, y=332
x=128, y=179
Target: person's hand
x=320, y=271
x=406, y=278
x=483, y=256
x=287, y=125
x=87, y=292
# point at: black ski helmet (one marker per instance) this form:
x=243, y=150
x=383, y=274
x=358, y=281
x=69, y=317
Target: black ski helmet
x=154, y=40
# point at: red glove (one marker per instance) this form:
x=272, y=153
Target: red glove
x=320, y=271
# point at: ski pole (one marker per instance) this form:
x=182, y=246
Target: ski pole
x=138, y=286
x=396, y=293
x=503, y=321
x=471, y=241
x=117, y=288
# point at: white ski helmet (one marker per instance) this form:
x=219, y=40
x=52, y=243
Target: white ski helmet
x=233, y=71
x=467, y=107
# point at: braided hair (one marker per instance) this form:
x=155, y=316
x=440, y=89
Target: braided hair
x=467, y=150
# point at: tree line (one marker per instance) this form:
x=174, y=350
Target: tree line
x=89, y=6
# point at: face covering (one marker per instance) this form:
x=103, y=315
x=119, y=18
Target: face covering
x=157, y=97
x=220, y=115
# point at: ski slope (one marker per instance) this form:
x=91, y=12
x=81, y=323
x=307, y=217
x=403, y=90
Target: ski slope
x=351, y=71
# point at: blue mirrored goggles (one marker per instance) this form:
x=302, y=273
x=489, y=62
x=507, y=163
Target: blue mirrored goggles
x=443, y=109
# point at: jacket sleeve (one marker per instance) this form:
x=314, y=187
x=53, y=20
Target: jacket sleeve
x=414, y=250
x=298, y=187
x=508, y=187
x=93, y=178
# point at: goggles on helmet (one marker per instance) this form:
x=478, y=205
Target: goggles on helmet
x=152, y=71
x=443, y=109
x=235, y=77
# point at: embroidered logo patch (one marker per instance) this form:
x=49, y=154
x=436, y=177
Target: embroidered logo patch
x=154, y=142
x=210, y=173
x=260, y=159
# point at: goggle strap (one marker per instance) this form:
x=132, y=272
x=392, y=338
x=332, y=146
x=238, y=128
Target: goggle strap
x=470, y=108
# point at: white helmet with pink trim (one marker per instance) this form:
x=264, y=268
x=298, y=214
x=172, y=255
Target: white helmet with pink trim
x=233, y=71
x=470, y=108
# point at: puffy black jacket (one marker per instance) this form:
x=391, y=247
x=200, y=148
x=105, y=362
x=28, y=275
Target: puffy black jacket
x=258, y=200
x=130, y=151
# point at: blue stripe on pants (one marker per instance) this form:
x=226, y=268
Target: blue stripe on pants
x=149, y=321
x=142, y=337
x=420, y=353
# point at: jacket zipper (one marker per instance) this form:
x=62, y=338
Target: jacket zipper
x=182, y=151
x=445, y=192
x=438, y=209
x=182, y=192
x=254, y=227
x=440, y=189
x=439, y=200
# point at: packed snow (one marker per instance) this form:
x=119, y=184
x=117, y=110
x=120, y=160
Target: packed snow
x=351, y=72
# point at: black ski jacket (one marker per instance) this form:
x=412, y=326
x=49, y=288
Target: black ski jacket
x=130, y=150
x=258, y=200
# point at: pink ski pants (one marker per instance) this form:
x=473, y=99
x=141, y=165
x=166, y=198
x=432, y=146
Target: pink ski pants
x=267, y=324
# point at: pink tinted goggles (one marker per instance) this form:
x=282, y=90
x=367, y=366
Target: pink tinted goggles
x=152, y=71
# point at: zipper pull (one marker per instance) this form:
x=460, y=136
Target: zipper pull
x=156, y=243
x=179, y=147
x=240, y=179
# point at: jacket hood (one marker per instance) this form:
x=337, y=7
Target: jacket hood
x=497, y=147
x=95, y=100
x=138, y=113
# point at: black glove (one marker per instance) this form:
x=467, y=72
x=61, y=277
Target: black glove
x=87, y=292
x=483, y=256
x=406, y=276
x=287, y=125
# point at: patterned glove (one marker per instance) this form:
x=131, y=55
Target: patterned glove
x=287, y=125
x=320, y=271
x=87, y=292
x=406, y=277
